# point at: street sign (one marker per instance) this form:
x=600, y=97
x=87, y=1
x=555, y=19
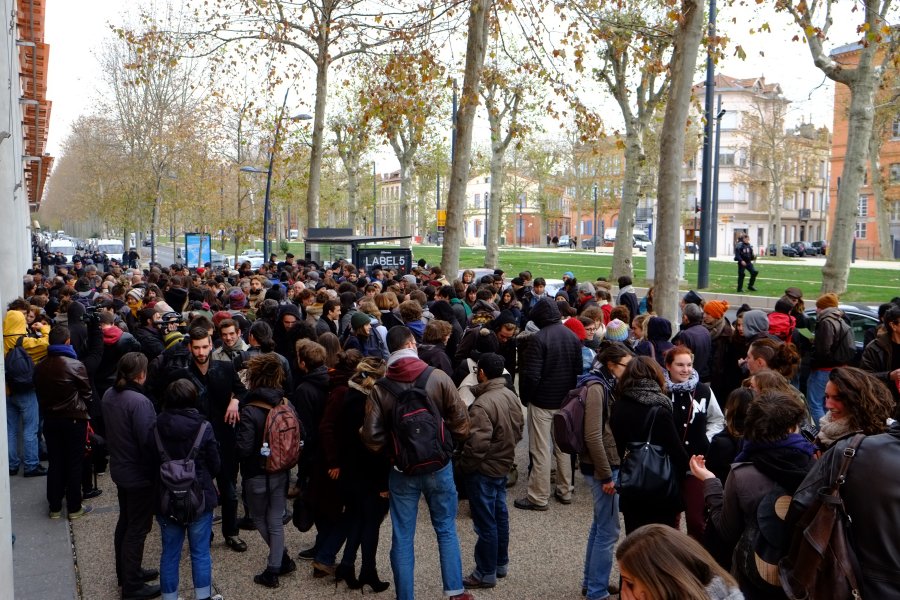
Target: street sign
x=398, y=259
x=441, y=219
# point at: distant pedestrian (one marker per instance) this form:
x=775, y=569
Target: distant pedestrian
x=744, y=256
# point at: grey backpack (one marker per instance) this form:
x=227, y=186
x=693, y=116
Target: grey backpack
x=181, y=497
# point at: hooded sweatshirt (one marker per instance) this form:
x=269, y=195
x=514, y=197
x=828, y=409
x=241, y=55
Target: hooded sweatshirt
x=14, y=327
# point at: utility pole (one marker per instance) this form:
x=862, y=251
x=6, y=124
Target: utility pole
x=594, y=225
x=703, y=267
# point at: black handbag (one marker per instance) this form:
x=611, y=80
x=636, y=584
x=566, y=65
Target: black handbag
x=646, y=470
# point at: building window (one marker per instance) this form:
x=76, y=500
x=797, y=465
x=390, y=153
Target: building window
x=477, y=200
x=726, y=159
x=895, y=210
x=895, y=128
x=863, y=207
x=861, y=230
x=895, y=173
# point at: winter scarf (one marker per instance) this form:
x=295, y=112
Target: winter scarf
x=715, y=328
x=786, y=462
x=62, y=350
x=719, y=590
x=647, y=392
x=831, y=431
x=601, y=375
x=685, y=386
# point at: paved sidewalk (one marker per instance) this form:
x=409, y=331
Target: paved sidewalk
x=546, y=552
x=43, y=564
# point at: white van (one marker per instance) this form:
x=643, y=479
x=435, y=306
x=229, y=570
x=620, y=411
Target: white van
x=111, y=248
x=640, y=239
x=67, y=247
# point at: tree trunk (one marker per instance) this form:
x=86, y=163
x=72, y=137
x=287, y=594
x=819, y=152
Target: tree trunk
x=405, y=159
x=624, y=248
x=478, y=29
x=885, y=251
x=671, y=150
x=421, y=203
x=352, y=191
x=777, y=203
x=315, y=155
x=859, y=129
x=498, y=166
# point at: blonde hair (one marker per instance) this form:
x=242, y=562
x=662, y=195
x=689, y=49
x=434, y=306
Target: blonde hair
x=671, y=565
x=368, y=371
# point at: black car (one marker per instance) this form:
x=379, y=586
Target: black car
x=821, y=246
x=591, y=242
x=804, y=248
x=786, y=250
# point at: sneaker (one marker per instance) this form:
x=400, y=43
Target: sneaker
x=85, y=509
x=562, y=499
x=91, y=494
x=55, y=514
x=470, y=582
x=526, y=504
x=38, y=471
x=236, y=543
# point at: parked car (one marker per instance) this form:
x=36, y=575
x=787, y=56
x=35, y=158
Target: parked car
x=786, y=250
x=821, y=246
x=804, y=248
x=565, y=241
x=591, y=242
x=217, y=260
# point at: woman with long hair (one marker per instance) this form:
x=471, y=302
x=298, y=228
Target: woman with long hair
x=660, y=563
x=264, y=491
x=642, y=411
x=697, y=418
x=773, y=462
x=362, y=478
x=600, y=467
x=781, y=357
x=855, y=402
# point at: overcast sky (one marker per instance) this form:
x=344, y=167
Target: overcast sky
x=75, y=31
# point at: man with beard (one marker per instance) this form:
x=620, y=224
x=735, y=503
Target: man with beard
x=219, y=391
x=232, y=343
x=257, y=292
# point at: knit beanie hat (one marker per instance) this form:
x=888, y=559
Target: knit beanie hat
x=138, y=294
x=575, y=326
x=172, y=338
x=829, y=300
x=716, y=308
x=359, y=319
x=616, y=331
x=236, y=299
x=506, y=317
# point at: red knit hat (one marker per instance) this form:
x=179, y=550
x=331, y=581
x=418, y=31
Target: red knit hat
x=576, y=327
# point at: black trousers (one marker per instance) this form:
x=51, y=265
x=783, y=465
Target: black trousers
x=136, y=508
x=226, y=481
x=365, y=513
x=741, y=274
x=65, y=453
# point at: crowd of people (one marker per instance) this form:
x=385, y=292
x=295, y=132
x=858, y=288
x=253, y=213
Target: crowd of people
x=187, y=385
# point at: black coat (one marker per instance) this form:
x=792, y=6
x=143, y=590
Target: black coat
x=697, y=338
x=177, y=430
x=551, y=361
x=129, y=418
x=250, y=430
x=151, y=342
x=309, y=401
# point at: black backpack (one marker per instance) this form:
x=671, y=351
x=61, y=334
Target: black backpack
x=19, y=368
x=181, y=497
x=843, y=349
x=422, y=443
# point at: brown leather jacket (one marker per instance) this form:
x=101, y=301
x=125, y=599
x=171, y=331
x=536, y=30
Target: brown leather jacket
x=62, y=386
x=439, y=388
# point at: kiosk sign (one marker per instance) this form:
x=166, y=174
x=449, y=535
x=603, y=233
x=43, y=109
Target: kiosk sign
x=398, y=259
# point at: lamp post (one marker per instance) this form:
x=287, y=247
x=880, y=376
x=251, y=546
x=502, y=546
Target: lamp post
x=268, y=172
x=594, y=224
x=714, y=217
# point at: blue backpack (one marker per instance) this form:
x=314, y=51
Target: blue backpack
x=19, y=368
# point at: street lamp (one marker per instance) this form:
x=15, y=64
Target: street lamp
x=300, y=117
x=594, y=225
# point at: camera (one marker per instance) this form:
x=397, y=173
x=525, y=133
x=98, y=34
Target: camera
x=91, y=314
x=172, y=321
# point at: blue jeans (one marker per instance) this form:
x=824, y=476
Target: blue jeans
x=490, y=518
x=440, y=495
x=199, y=534
x=23, y=405
x=815, y=393
x=602, y=539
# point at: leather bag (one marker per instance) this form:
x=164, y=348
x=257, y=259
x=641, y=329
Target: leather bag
x=821, y=564
x=646, y=470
